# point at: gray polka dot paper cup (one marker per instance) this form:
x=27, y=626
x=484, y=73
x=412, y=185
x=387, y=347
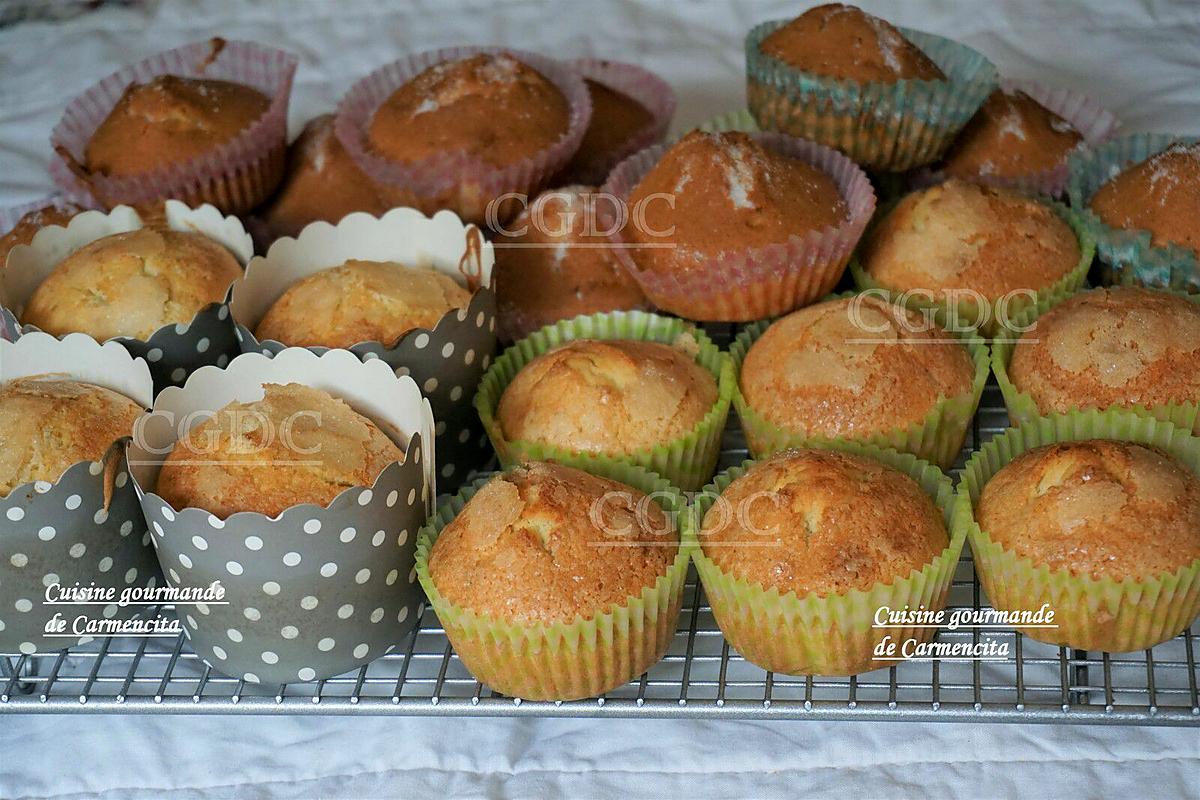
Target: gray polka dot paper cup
x=314, y=591
x=84, y=529
x=172, y=351
x=447, y=361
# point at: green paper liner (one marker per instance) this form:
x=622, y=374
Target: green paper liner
x=1091, y=614
x=1126, y=256
x=565, y=661
x=966, y=313
x=883, y=126
x=938, y=438
x=687, y=462
x=1021, y=406
x=831, y=634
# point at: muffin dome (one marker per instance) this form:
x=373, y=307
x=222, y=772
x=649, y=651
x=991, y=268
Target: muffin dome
x=959, y=235
x=822, y=522
x=32, y=222
x=1011, y=136
x=1160, y=195
x=295, y=445
x=1111, y=347
x=557, y=268
x=731, y=192
x=171, y=120
x=840, y=41
x=47, y=425
x=360, y=301
x=489, y=107
x=131, y=284
x=610, y=397
x=616, y=118
x=1095, y=508
x=528, y=549
x=852, y=367
x=322, y=182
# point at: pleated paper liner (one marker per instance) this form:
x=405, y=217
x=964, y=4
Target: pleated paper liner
x=687, y=462
x=1022, y=409
x=1091, y=614
x=756, y=282
x=938, y=438
x=885, y=126
x=565, y=661
x=235, y=177
x=1127, y=256
x=832, y=634
x=989, y=317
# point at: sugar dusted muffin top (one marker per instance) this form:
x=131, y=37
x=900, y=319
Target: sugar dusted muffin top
x=1160, y=195
x=1012, y=135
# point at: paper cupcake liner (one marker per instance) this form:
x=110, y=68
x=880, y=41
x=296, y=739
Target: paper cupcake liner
x=85, y=527
x=938, y=438
x=649, y=90
x=565, y=661
x=756, y=282
x=1126, y=256
x=1095, y=123
x=11, y=215
x=885, y=126
x=687, y=462
x=447, y=361
x=989, y=318
x=173, y=351
x=1022, y=409
x=834, y=634
x=514, y=324
x=1091, y=614
x=235, y=177
x=455, y=180
x=316, y=590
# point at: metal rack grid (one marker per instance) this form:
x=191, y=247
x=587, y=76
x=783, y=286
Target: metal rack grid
x=699, y=677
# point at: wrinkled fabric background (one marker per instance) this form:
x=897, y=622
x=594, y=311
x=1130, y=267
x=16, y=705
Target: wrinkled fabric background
x=1138, y=58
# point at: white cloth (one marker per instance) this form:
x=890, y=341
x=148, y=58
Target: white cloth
x=1138, y=59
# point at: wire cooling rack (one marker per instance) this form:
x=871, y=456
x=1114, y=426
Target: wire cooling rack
x=699, y=677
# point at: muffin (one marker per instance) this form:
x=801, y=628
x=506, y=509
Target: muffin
x=545, y=546
x=854, y=368
x=32, y=222
x=295, y=445
x=817, y=528
x=731, y=192
x=1010, y=137
x=321, y=183
x=131, y=284
x=623, y=396
x=360, y=301
x=1111, y=347
x=47, y=425
x=555, y=267
x=1160, y=194
x=841, y=41
x=616, y=119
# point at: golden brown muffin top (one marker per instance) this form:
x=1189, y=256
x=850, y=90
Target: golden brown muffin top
x=171, y=120
x=360, y=301
x=854, y=367
x=608, y=397
x=1160, y=195
x=616, y=118
x=48, y=424
x=491, y=106
x=131, y=284
x=32, y=222
x=544, y=543
x=1011, y=135
x=840, y=41
x=730, y=193
x=295, y=445
x=822, y=522
x=958, y=235
x=1095, y=508
x=559, y=267
x=322, y=182
x=1111, y=347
